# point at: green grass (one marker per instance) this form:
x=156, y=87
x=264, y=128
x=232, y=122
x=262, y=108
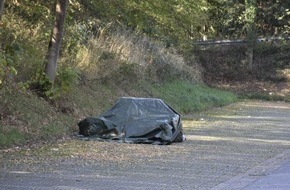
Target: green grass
x=185, y=97
x=10, y=137
x=25, y=117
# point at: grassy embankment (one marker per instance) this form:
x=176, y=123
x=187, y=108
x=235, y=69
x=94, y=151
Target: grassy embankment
x=28, y=118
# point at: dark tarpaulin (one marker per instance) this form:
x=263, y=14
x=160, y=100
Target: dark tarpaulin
x=136, y=120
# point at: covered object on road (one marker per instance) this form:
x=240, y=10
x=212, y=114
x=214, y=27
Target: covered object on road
x=136, y=120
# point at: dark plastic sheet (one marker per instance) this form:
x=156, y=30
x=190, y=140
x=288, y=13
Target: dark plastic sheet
x=136, y=120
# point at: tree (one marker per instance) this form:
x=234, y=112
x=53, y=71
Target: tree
x=273, y=17
x=250, y=17
x=55, y=39
x=234, y=18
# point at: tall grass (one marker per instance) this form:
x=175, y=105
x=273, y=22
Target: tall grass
x=115, y=51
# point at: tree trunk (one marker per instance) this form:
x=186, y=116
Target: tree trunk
x=250, y=11
x=250, y=57
x=55, y=40
x=1, y=8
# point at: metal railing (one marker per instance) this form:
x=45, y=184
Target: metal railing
x=239, y=41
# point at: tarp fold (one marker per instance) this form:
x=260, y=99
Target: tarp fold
x=136, y=120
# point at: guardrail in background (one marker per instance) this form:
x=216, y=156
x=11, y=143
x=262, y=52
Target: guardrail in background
x=239, y=41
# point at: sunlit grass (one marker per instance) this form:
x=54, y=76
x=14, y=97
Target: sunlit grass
x=186, y=97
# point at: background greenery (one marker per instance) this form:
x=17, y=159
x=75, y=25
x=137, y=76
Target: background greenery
x=115, y=48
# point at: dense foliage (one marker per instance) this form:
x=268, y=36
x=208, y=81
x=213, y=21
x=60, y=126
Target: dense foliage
x=188, y=19
x=26, y=25
x=229, y=18
x=123, y=48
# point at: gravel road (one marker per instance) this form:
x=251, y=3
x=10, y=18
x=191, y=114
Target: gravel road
x=226, y=148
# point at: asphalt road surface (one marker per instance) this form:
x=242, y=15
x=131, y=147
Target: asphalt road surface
x=226, y=148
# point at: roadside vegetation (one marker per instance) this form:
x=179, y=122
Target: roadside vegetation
x=118, y=48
